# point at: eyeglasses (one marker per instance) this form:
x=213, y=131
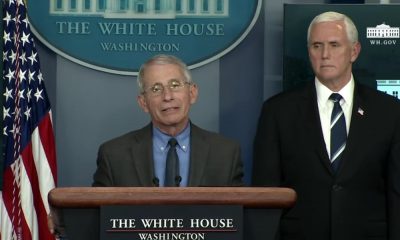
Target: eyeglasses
x=173, y=85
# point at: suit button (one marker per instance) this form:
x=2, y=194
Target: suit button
x=336, y=187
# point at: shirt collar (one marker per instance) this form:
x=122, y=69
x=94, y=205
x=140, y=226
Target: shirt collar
x=323, y=93
x=161, y=139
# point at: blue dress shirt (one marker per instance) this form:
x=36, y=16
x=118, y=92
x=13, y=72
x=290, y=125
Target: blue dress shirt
x=160, y=150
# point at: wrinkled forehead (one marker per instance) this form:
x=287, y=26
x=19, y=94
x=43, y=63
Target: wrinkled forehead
x=162, y=74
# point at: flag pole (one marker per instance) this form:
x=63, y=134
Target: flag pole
x=1, y=103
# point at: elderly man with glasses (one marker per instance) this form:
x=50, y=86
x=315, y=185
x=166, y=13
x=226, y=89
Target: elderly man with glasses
x=171, y=150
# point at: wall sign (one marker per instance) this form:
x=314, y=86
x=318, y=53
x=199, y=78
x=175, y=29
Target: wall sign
x=117, y=36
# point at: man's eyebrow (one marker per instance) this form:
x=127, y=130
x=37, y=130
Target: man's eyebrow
x=316, y=42
x=333, y=41
x=329, y=42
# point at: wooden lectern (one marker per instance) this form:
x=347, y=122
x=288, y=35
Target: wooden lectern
x=81, y=205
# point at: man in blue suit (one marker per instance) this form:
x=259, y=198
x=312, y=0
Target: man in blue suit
x=347, y=191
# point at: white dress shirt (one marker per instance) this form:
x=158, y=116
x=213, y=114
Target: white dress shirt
x=325, y=107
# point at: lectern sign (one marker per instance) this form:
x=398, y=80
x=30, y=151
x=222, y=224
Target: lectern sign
x=118, y=35
x=190, y=222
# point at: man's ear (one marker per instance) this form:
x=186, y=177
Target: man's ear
x=355, y=51
x=194, y=92
x=142, y=103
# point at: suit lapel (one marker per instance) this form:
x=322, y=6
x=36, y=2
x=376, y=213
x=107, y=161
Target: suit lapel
x=199, y=150
x=142, y=155
x=355, y=136
x=310, y=116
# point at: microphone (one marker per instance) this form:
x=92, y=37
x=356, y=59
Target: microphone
x=178, y=180
x=156, y=182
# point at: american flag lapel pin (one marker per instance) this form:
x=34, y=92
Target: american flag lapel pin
x=360, y=111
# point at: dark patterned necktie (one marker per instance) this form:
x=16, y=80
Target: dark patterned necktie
x=172, y=165
x=338, y=132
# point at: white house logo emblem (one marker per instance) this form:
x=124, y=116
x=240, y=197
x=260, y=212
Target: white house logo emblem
x=383, y=34
x=118, y=35
x=154, y=9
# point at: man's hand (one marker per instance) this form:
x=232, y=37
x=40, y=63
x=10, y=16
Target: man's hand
x=56, y=227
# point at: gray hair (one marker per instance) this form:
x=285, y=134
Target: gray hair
x=351, y=30
x=163, y=59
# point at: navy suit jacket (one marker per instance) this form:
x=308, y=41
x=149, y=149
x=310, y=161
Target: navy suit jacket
x=127, y=161
x=362, y=200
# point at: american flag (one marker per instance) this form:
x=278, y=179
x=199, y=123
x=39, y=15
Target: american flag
x=30, y=170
